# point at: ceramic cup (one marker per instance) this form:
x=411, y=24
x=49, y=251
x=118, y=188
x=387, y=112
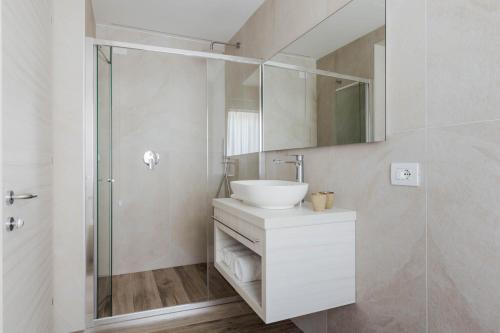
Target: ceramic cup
x=318, y=201
x=329, y=199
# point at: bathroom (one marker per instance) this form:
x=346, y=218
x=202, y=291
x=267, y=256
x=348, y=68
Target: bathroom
x=167, y=166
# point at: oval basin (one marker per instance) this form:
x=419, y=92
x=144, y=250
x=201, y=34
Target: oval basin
x=270, y=194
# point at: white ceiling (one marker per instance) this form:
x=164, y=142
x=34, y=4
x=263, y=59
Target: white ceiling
x=205, y=19
x=353, y=21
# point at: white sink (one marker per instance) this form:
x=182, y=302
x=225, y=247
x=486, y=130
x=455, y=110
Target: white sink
x=270, y=194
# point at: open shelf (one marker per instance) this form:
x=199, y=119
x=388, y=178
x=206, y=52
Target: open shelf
x=252, y=289
x=251, y=292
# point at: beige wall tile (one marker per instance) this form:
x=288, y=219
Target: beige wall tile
x=131, y=35
x=279, y=22
x=406, y=65
x=160, y=215
x=90, y=25
x=316, y=322
x=257, y=35
x=463, y=217
x=390, y=236
x=390, y=229
x=293, y=18
x=464, y=76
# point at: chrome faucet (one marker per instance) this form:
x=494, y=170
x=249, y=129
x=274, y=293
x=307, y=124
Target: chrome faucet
x=299, y=167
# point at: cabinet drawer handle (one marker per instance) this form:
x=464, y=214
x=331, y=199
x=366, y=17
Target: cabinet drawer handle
x=239, y=233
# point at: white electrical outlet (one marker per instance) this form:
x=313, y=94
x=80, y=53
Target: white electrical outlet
x=405, y=174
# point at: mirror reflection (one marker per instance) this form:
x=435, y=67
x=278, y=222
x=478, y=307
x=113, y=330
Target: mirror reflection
x=328, y=87
x=242, y=108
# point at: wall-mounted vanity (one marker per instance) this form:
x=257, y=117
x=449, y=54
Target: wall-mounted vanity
x=307, y=261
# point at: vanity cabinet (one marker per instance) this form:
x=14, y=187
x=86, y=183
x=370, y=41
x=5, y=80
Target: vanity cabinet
x=307, y=258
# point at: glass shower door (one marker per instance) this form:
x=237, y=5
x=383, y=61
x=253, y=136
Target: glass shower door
x=161, y=121
x=350, y=112
x=104, y=182
x=159, y=192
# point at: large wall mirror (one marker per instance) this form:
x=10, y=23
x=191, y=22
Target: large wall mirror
x=328, y=87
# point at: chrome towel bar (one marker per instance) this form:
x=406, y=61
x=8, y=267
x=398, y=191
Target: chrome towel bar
x=239, y=233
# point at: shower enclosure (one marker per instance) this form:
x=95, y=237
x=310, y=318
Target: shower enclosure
x=159, y=127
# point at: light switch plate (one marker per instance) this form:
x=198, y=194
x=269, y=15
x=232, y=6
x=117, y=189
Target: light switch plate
x=405, y=174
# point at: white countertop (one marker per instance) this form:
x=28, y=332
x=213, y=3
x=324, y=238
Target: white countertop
x=283, y=218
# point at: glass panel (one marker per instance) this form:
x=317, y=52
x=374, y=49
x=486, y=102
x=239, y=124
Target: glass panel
x=350, y=124
x=163, y=146
x=104, y=186
x=341, y=110
x=160, y=205
x=233, y=91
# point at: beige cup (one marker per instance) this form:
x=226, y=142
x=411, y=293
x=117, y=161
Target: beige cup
x=318, y=201
x=329, y=199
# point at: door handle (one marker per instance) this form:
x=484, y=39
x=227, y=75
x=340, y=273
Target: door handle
x=11, y=197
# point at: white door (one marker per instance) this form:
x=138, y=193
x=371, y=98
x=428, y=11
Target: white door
x=26, y=153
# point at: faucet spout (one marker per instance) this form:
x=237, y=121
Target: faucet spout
x=299, y=167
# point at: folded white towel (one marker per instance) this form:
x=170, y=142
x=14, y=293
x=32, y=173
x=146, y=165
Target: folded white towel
x=247, y=267
x=228, y=253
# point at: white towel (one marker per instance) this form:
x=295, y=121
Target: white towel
x=233, y=255
x=247, y=267
x=228, y=253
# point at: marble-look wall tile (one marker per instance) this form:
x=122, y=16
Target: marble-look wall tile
x=257, y=34
x=305, y=14
x=406, y=65
x=390, y=237
x=279, y=22
x=390, y=229
x=316, y=322
x=285, y=103
x=159, y=104
x=464, y=266
x=130, y=35
x=464, y=76
x=90, y=25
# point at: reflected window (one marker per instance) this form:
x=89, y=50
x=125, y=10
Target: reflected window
x=242, y=132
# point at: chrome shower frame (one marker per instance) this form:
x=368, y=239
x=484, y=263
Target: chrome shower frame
x=89, y=117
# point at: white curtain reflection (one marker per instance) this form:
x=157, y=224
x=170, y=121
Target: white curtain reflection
x=242, y=132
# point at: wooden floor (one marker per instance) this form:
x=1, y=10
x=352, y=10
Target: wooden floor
x=249, y=323
x=160, y=288
x=227, y=318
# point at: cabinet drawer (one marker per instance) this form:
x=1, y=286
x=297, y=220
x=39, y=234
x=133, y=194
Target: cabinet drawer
x=246, y=233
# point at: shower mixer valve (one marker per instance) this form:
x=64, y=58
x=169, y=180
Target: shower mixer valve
x=151, y=159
